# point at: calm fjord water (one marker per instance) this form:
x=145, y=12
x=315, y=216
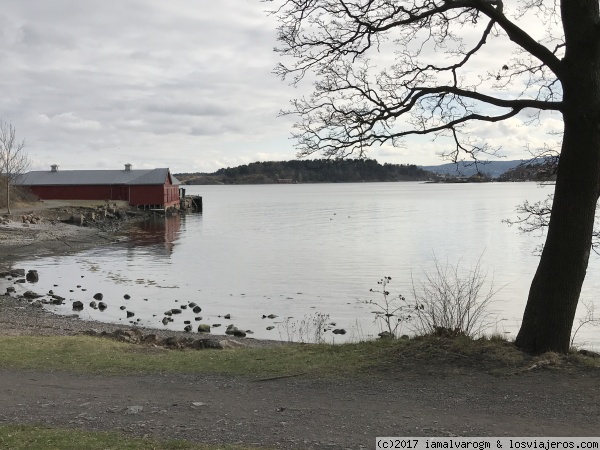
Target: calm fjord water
x=295, y=250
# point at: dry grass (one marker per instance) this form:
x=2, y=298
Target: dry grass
x=17, y=196
x=22, y=437
x=96, y=355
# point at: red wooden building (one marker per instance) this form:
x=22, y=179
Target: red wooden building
x=152, y=188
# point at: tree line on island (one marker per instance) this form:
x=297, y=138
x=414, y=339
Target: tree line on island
x=310, y=171
x=366, y=170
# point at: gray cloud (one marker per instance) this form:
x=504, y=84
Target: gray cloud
x=98, y=84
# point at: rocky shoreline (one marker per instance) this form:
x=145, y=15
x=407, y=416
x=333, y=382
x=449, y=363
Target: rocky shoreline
x=42, y=233
x=20, y=317
x=47, y=230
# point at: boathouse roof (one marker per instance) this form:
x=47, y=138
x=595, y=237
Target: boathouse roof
x=57, y=177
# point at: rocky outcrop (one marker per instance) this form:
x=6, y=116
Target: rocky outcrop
x=135, y=336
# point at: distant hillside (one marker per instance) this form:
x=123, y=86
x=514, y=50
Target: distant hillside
x=543, y=171
x=309, y=171
x=492, y=169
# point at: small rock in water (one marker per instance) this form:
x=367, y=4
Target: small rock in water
x=130, y=314
x=122, y=307
x=198, y=319
x=98, y=296
x=126, y=296
x=239, y=333
x=102, y=306
x=93, y=304
x=215, y=325
x=183, y=306
x=271, y=316
x=165, y=320
x=77, y=305
x=187, y=322
x=187, y=328
x=269, y=328
x=227, y=316
x=197, y=309
x=203, y=328
x=32, y=276
x=339, y=331
x=176, y=311
x=191, y=304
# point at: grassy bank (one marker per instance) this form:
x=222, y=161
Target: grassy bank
x=97, y=355
x=84, y=354
x=20, y=437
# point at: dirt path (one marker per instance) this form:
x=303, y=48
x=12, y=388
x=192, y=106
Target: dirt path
x=305, y=413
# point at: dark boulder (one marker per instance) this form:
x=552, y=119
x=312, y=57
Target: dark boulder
x=32, y=276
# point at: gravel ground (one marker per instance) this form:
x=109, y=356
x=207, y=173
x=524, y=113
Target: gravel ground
x=306, y=413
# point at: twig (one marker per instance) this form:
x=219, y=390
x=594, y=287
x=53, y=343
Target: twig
x=280, y=377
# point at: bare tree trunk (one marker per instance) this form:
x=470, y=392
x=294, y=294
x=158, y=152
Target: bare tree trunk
x=13, y=157
x=556, y=287
x=7, y=197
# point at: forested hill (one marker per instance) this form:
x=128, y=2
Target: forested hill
x=309, y=171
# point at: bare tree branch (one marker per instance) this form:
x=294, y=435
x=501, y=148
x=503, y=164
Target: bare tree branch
x=354, y=106
x=14, y=160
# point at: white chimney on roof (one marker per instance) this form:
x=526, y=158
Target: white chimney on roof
x=54, y=168
x=128, y=167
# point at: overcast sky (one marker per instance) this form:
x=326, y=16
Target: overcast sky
x=184, y=84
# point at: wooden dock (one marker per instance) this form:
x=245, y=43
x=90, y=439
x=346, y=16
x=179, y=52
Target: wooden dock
x=191, y=203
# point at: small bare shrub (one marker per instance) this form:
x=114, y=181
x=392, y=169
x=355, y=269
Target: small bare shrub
x=589, y=319
x=450, y=302
x=392, y=311
x=310, y=329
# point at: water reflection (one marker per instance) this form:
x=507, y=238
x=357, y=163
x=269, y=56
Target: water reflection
x=157, y=235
